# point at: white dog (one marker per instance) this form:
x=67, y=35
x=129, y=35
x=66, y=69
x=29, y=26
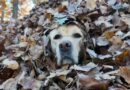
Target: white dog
x=67, y=43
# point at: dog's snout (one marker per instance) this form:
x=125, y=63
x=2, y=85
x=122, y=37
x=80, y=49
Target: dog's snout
x=65, y=46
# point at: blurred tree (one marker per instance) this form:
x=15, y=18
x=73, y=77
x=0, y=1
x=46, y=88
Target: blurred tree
x=24, y=7
x=34, y=1
x=2, y=8
x=39, y=1
x=15, y=9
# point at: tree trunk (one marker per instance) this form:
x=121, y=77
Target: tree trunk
x=15, y=9
x=2, y=16
x=34, y=1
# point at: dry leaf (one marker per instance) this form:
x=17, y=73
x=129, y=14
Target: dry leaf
x=125, y=73
x=85, y=68
x=22, y=42
x=93, y=84
x=116, y=40
x=9, y=84
x=2, y=40
x=12, y=64
x=61, y=8
x=126, y=19
x=29, y=83
x=108, y=34
x=123, y=56
x=102, y=41
x=91, y=4
x=91, y=53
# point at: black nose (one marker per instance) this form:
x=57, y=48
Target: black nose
x=65, y=46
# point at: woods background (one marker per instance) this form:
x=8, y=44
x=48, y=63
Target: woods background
x=16, y=8
x=24, y=64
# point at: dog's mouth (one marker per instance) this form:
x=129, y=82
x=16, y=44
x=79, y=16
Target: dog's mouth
x=67, y=60
x=66, y=57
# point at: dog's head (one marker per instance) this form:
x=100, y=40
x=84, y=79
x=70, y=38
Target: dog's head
x=67, y=43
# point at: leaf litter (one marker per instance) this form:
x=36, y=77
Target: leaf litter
x=23, y=61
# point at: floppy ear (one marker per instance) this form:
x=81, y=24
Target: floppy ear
x=46, y=40
x=88, y=40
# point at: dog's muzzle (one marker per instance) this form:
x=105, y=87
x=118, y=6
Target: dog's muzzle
x=66, y=52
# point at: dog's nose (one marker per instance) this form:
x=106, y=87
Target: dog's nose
x=65, y=46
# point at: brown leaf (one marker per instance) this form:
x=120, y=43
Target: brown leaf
x=5, y=73
x=62, y=77
x=108, y=34
x=125, y=73
x=30, y=83
x=91, y=4
x=2, y=41
x=116, y=40
x=61, y=8
x=123, y=56
x=48, y=15
x=93, y=84
x=12, y=64
x=10, y=84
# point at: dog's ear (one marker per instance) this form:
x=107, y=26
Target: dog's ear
x=88, y=40
x=47, y=45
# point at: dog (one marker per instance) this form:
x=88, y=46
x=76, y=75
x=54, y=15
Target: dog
x=68, y=43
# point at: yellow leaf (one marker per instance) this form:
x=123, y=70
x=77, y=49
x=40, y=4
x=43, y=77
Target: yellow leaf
x=62, y=77
x=121, y=57
x=2, y=3
x=61, y=8
x=109, y=34
x=125, y=73
x=48, y=15
x=116, y=40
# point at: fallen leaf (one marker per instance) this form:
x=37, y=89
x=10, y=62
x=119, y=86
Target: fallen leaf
x=108, y=34
x=29, y=83
x=12, y=64
x=93, y=84
x=2, y=41
x=125, y=73
x=9, y=84
x=91, y=53
x=104, y=56
x=102, y=41
x=123, y=56
x=23, y=44
x=61, y=8
x=116, y=40
x=91, y=5
x=85, y=68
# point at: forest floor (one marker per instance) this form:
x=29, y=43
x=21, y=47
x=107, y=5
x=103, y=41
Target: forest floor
x=24, y=65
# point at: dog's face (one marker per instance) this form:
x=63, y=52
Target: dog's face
x=66, y=43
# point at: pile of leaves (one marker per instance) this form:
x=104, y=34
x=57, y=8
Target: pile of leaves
x=24, y=65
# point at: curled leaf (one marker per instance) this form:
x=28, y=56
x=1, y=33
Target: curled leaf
x=125, y=73
x=11, y=64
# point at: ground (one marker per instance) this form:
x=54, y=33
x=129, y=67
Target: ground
x=23, y=65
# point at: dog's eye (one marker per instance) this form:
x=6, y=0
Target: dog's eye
x=58, y=36
x=76, y=35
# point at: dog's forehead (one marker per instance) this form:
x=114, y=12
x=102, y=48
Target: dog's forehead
x=66, y=30
x=69, y=29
